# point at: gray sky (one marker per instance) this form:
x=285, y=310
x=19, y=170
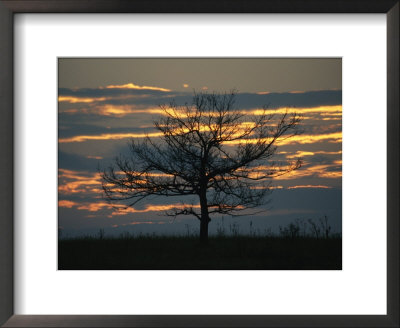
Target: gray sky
x=245, y=75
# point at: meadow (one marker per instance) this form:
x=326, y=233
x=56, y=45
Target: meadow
x=235, y=252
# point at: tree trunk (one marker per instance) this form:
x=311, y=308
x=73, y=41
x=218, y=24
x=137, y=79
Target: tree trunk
x=205, y=219
x=204, y=230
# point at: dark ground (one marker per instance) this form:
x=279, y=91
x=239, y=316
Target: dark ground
x=186, y=253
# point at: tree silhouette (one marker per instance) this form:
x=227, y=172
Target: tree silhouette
x=208, y=149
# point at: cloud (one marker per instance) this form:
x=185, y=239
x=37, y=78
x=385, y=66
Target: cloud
x=335, y=137
x=333, y=109
x=304, y=139
x=78, y=182
x=119, y=93
x=121, y=209
x=136, y=87
x=131, y=94
x=67, y=203
x=308, y=169
x=298, y=139
x=109, y=136
x=152, y=208
x=74, y=100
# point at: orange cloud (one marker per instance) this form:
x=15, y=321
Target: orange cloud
x=332, y=119
x=94, y=207
x=152, y=208
x=330, y=174
x=300, y=154
x=120, y=209
x=320, y=171
x=334, y=137
x=66, y=203
x=74, y=182
x=109, y=136
x=114, y=136
x=300, y=110
x=113, y=110
x=122, y=110
x=137, y=87
x=336, y=109
x=306, y=139
x=331, y=114
x=80, y=183
x=310, y=153
x=73, y=100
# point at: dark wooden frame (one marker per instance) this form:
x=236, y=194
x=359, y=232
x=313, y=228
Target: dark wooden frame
x=7, y=10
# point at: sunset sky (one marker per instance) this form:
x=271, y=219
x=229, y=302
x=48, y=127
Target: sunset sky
x=103, y=103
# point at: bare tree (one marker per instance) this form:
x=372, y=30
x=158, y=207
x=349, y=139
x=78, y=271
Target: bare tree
x=208, y=149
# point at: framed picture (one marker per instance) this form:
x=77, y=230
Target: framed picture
x=263, y=166
x=98, y=201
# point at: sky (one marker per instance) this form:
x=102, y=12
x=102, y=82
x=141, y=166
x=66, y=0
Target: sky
x=104, y=103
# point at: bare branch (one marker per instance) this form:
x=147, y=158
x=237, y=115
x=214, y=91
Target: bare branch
x=208, y=149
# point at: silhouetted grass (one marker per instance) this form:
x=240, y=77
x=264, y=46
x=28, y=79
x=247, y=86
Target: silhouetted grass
x=186, y=253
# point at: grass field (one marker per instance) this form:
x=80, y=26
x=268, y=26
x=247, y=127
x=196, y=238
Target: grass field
x=186, y=253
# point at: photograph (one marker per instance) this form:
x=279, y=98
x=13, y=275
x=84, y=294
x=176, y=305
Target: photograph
x=199, y=163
